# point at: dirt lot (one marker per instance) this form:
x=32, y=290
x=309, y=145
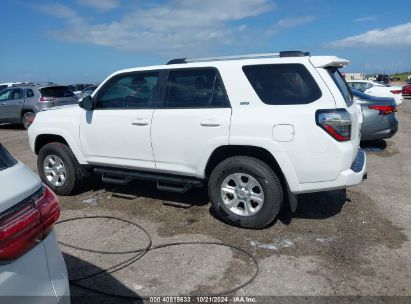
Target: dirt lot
x=339, y=243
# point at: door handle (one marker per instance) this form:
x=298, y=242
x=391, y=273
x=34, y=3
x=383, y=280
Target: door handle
x=209, y=123
x=2, y=104
x=140, y=122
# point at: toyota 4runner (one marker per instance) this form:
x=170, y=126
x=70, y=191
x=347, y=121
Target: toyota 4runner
x=257, y=129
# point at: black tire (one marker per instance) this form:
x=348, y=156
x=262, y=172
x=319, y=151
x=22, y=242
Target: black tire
x=74, y=174
x=26, y=119
x=270, y=184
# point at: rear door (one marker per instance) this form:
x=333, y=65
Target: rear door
x=12, y=106
x=194, y=120
x=4, y=98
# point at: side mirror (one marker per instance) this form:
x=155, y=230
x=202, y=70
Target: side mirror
x=87, y=103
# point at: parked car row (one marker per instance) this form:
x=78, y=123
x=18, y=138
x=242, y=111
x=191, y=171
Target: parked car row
x=20, y=102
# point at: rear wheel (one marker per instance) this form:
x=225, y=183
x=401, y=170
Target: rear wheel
x=58, y=168
x=28, y=119
x=245, y=192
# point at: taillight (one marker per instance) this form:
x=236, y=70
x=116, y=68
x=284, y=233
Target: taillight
x=336, y=122
x=383, y=110
x=396, y=91
x=27, y=223
x=46, y=99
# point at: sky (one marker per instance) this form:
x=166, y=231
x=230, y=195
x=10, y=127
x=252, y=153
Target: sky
x=81, y=41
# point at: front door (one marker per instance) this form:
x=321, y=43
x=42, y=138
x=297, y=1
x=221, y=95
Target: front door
x=11, y=106
x=117, y=131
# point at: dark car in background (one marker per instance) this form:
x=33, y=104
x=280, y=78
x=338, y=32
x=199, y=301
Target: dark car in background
x=78, y=88
x=88, y=91
x=379, y=121
x=19, y=104
x=406, y=90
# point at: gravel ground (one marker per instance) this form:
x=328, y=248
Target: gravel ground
x=338, y=243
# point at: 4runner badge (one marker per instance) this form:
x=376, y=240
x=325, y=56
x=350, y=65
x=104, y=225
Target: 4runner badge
x=244, y=103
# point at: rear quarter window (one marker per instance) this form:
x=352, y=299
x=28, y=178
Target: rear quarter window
x=282, y=84
x=342, y=86
x=56, y=92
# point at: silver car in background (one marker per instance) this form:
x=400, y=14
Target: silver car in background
x=379, y=116
x=32, y=269
x=19, y=104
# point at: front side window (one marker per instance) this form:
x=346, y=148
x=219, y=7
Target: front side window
x=282, y=84
x=5, y=94
x=17, y=94
x=195, y=88
x=132, y=90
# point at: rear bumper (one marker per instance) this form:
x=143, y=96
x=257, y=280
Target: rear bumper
x=347, y=178
x=31, y=278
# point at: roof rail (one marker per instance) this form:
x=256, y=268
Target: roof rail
x=239, y=57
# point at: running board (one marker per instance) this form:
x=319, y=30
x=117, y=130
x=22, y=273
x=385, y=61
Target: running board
x=164, y=182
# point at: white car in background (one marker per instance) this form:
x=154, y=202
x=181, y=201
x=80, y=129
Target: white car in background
x=377, y=89
x=32, y=269
x=6, y=85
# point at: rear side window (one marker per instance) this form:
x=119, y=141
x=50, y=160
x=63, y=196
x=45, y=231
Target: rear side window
x=2, y=87
x=29, y=93
x=195, y=88
x=342, y=85
x=282, y=84
x=56, y=92
x=6, y=160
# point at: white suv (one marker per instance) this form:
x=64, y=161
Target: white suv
x=258, y=129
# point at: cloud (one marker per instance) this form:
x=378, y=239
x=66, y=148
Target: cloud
x=295, y=21
x=399, y=35
x=287, y=23
x=367, y=18
x=176, y=25
x=100, y=4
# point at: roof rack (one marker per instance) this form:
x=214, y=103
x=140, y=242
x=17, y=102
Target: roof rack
x=32, y=84
x=239, y=57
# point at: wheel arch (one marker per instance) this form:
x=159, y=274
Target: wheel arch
x=47, y=137
x=280, y=166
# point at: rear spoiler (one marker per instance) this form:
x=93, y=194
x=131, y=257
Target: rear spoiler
x=328, y=61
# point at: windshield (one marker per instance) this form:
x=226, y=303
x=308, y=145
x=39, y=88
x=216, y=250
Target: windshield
x=342, y=85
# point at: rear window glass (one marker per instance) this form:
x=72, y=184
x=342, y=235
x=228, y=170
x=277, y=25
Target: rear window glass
x=342, y=85
x=56, y=92
x=2, y=87
x=282, y=84
x=6, y=160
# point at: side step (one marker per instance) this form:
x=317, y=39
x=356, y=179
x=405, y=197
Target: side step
x=164, y=182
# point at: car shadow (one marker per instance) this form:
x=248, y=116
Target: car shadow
x=319, y=205
x=8, y=126
x=147, y=189
x=374, y=145
x=77, y=267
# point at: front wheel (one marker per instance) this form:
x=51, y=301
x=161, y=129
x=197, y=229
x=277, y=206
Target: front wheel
x=58, y=168
x=245, y=192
